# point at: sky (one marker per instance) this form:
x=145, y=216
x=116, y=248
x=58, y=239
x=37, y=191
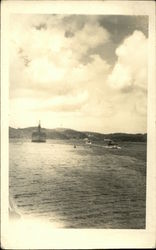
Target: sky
x=84, y=72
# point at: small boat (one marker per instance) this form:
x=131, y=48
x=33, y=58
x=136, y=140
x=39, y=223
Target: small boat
x=38, y=136
x=113, y=147
x=88, y=142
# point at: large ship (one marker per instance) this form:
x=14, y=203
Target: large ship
x=38, y=136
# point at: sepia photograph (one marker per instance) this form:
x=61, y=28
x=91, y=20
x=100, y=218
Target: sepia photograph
x=78, y=97
x=77, y=120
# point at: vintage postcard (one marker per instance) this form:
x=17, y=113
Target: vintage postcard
x=78, y=125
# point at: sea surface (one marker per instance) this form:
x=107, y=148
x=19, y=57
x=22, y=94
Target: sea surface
x=84, y=187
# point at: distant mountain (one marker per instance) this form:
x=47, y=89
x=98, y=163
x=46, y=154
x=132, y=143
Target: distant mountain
x=57, y=133
x=65, y=134
x=117, y=136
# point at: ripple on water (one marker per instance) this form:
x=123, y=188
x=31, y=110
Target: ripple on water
x=82, y=188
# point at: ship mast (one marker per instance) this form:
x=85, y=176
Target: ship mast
x=39, y=127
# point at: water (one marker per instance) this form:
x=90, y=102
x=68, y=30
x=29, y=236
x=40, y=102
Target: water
x=82, y=187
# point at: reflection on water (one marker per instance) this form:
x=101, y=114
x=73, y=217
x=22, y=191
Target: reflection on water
x=82, y=187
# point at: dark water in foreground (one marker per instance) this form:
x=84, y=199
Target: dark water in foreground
x=82, y=187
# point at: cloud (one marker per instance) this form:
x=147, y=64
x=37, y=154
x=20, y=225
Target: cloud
x=45, y=61
x=129, y=75
x=91, y=36
x=131, y=66
x=64, y=104
x=58, y=64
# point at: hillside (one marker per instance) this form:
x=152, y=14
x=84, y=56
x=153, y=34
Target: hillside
x=65, y=134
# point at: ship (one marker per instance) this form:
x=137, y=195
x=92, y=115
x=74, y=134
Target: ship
x=38, y=136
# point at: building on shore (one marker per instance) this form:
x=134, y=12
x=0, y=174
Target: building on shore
x=38, y=136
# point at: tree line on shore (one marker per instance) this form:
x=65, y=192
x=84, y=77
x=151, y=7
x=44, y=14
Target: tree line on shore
x=65, y=134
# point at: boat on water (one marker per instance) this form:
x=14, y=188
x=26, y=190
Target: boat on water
x=38, y=136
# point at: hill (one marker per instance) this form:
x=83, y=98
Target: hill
x=65, y=134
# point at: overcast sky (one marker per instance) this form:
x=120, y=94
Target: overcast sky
x=80, y=72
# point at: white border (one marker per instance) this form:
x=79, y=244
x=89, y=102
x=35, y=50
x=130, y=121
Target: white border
x=83, y=238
